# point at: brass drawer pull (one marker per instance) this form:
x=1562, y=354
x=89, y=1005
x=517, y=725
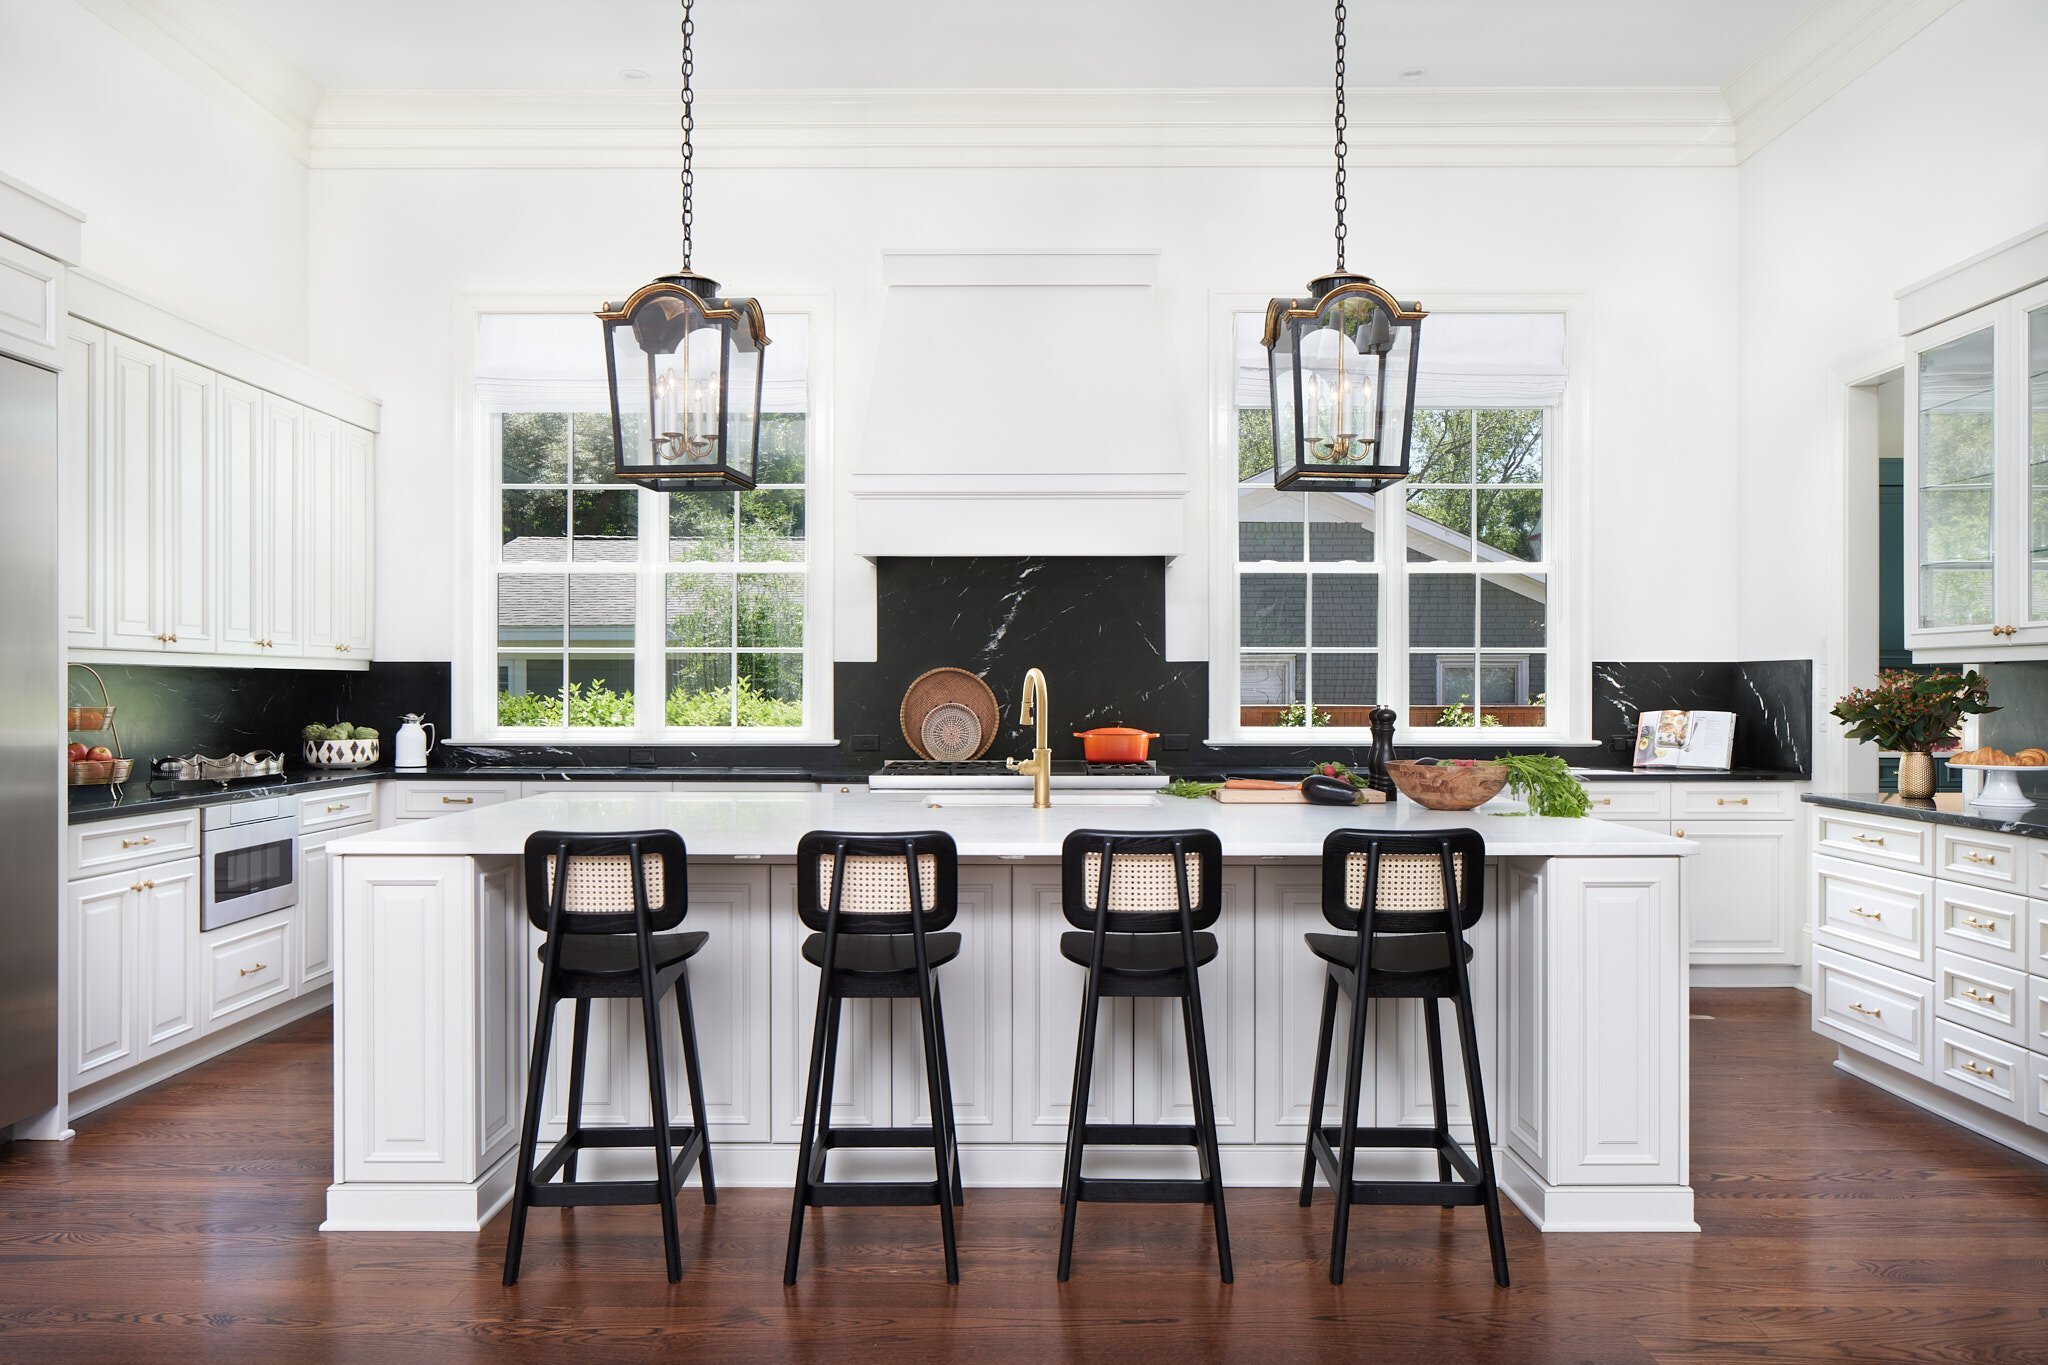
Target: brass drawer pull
x=458, y=800
x=1981, y=997
x=1976, y=1070
x=1861, y=913
x=1877, y=839
x=144, y=885
x=1987, y=858
x=1603, y=800
x=335, y=806
x=251, y=971
x=1731, y=800
x=144, y=842
x=1874, y=1014
x=1976, y=923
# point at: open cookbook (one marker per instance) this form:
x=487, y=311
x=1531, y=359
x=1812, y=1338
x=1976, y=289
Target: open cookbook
x=1685, y=739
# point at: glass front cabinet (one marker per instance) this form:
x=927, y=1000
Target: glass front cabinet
x=1977, y=483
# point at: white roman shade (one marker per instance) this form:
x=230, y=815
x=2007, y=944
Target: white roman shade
x=554, y=362
x=1468, y=360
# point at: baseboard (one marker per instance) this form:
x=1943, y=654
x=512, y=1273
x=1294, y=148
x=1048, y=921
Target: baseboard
x=1744, y=976
x=1944, y=1104
x=145, y=1074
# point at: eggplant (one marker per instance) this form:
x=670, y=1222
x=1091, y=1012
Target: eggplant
x=1329, y=791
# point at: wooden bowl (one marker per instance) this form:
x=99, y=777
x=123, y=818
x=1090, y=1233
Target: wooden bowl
x=1447, y=787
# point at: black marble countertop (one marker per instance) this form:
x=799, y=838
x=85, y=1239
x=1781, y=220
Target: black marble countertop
x=1943, y=808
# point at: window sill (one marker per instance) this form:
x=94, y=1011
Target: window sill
x=684, y=739
x=1494, y=737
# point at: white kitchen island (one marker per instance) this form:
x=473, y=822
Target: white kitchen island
x=1580, y=966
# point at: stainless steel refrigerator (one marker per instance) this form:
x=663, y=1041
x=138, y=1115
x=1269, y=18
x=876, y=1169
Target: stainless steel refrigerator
x=31, y=741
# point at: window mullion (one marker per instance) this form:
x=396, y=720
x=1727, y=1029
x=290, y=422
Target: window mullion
x=650, y=676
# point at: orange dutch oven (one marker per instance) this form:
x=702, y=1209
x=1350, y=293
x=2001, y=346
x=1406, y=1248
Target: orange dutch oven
x=1114, y=744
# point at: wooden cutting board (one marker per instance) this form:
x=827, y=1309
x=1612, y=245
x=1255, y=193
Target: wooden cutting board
x=1279, y=796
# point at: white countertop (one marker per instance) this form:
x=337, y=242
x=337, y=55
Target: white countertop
x=767, y=825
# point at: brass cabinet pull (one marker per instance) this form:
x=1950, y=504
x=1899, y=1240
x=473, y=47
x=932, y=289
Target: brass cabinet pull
x=1976, y=923
x=1861, y=913
x=143, y=885
x=142, y=842
x=1731, y=800
x=1976, y=1070
x=1877, y=839
x=1981, y=997
x=251, y=971
x=1678, y=834
x=1988, y=858
x=338, y=805
x=174, y=639
x=458, y=800
x=1860, y=1009
x=1603, y=800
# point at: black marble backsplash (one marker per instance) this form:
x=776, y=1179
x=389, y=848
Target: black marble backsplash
x=1772, y=700
x=2020, y=691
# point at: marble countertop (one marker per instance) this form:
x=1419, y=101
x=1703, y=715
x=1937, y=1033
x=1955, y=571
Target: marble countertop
x=767, y=825
x=1943, y=808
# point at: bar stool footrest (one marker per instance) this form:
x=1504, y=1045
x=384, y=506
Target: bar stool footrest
x=1096, y=1190
x=1470, y=1188
x=876, y=1193
x=1142, y=1134
x=837, y=1138
x=687, y=1143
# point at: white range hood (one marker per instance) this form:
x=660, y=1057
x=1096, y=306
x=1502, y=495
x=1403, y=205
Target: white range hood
x=1022, y=405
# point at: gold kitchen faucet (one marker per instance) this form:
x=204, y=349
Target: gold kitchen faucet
x=1039, y=766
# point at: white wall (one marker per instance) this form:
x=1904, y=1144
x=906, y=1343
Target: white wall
x=185, y=204
x=1936, y=153
x=1653, y=251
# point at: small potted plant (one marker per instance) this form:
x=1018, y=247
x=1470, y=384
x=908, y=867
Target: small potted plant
x=1913, y=714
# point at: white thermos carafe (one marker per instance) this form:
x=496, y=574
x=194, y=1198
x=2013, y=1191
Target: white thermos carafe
x=413, y=743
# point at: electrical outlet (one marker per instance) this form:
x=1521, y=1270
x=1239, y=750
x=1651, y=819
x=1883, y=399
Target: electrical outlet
x=640, y=758
x=1174, y=743
x=867, y=743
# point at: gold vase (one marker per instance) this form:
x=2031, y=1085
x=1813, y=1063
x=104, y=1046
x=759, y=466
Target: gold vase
x=1916, y=776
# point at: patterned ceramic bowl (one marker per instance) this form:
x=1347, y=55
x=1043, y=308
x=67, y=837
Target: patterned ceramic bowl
x=341, y=753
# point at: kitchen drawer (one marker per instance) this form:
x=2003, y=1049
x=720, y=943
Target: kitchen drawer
x=2037, y=937
x=420, y=800
x=1875, y=913
x=2037, y=1093
x=1988, y=925
x=1980, y=857
x=1904, y=844
x=114, y=845
x=1642, y=799
x=1874, y=1009
x=2037, y=1014
x=247, y=967
x=1978, y=995
x=1732, y=801
x=1978, y=1067
x=333, y=809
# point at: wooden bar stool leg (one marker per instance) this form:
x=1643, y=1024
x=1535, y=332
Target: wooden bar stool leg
x=579, y=1054
x=936, y=1092
x=693, y=1076
x=1205, y=1119
x=529, y=1129
x=1433, y=1036
x=1324, y=1030
x=946, y=1087
x=820, y=1061
x=664, y=1148
x=1077, y=1122
x=1482, y=1137
x=1347, y=1149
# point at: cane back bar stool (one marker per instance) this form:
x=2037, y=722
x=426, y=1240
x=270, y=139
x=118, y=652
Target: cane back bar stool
x=1404, y=902
x=879, y=904
x=1142, y=903
x=608, y=904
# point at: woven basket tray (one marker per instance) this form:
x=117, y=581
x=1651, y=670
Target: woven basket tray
x=942, y=685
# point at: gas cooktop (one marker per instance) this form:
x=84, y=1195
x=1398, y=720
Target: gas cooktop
x=912, y=773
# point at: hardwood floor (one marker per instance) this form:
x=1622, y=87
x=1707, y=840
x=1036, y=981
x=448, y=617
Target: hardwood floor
x=1837, y=1223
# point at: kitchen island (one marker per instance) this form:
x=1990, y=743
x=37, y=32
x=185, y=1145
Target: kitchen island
x=1579, y=964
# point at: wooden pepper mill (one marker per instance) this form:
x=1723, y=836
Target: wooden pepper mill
x=1376, y=775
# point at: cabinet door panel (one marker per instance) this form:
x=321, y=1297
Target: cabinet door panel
x=1953, y=596
x=355, y=554
x=244, y=514
x=729, y=1000
x=860, y=1092
x=1743, y=890
x=100, y=915
x=316, y=913
x=1163, y=1087
x=1046, y=1013
x=168, y=913
x=82, y=488
x=135, y=530
x=291, y=562
x=974, y=993
x=1288, y=1003
x=190, y=507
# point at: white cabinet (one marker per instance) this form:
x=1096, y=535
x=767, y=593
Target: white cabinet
x=315, y=966
x=1976, y=464
x=1045, y=1015
x=82, y=488
x=132, y=967
x=247, y=967
x=213, y=519
x=974, y=988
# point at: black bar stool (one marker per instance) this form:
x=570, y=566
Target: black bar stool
x=1143, y=902
x=607, y=902
x=878, y=902
x=1392, y=895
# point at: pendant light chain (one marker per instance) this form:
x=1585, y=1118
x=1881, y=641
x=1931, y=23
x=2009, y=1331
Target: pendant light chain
x=1341, y=148
x=689, y=126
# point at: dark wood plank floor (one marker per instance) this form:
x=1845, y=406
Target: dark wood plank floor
x=1838, y=1223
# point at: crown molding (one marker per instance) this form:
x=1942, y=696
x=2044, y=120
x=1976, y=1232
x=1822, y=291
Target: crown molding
x=1837, y=41
x=203, y=41
x=359, y=130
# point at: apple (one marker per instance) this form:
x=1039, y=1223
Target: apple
x=100, y=753
x=75, y=752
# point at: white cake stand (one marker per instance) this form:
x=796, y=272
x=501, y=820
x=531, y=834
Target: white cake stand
x=2001, y=785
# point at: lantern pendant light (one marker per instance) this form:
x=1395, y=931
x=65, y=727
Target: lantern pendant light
x=1342, y=367
x=684, y=364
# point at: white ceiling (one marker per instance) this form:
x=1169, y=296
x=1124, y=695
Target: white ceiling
x=1015, y=44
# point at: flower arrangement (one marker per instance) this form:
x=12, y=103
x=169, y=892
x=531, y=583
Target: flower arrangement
x=1914, y=713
